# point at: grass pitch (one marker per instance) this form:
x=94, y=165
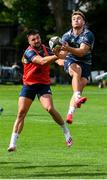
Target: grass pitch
x=41, y=150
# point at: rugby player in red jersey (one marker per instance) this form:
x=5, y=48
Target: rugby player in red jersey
x=36, y=81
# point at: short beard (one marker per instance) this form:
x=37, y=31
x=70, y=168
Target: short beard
x=38, y=46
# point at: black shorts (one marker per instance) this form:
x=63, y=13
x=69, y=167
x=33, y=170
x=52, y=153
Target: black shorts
x=86, y=68
x=30, y=91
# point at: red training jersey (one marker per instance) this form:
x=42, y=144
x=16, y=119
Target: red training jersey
x=33, y=72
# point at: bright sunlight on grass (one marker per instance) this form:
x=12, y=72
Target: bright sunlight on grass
x=41, y=150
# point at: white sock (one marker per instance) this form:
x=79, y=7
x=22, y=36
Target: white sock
x=65, y=129
x=67, y=136
x=77, y=95
x=13, y=140
x=66, y=132
x=71, y=110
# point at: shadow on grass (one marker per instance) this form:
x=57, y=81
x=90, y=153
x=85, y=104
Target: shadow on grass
x=57, y=173
x=38, y=115
x=66, y=173
x=51, y=166
x=69, y=174
x=11, y=162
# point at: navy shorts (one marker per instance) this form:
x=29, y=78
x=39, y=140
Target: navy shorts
x=86, y=68
x=30, y=91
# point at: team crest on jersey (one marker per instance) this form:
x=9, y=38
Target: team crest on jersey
x=24, y=60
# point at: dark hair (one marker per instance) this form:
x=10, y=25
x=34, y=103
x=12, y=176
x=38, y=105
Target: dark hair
x=79, y=13
x=32, y=32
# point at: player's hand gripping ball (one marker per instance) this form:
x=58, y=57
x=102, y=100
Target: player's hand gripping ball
x=55, y=42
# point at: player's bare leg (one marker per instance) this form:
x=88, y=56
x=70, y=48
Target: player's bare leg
x=47, y=103
x=78, y=83
x=23, y=107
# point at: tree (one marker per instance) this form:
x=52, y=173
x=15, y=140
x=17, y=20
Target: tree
x=53, y=17
x=58, y=11
x=28, y=14
x=96, y=16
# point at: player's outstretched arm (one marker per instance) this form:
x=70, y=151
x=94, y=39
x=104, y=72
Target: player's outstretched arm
x=80, y=52
x=59, y=53
x=44, y=60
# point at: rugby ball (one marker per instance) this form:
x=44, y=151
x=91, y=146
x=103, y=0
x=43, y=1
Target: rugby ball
x=55, y=42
